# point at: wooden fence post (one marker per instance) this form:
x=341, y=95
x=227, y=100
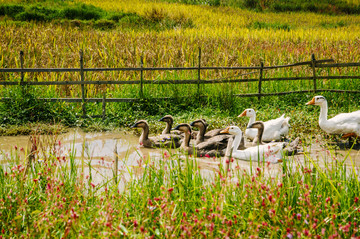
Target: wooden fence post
x=22, y=65
x=116, y=162
x=199, y=70
x=314, y=71
x=82, y=85
x=104, y=106
x=141, y=94
x=260, y=78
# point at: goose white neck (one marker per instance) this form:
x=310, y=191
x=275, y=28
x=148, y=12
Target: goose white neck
x=323, y=112
x=239, y=154
x=252, y=119
x=237, y=141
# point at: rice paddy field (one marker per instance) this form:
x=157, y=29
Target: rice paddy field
x=47, y=192
x=170, y=35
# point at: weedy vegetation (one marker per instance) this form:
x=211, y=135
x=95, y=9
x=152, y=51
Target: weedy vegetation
x=45, y=193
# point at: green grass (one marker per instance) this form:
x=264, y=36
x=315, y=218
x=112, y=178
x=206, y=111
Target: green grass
x=218, y=107
x=170, y=198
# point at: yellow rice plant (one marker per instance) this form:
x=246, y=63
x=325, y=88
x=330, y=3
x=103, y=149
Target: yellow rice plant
x=226, y=36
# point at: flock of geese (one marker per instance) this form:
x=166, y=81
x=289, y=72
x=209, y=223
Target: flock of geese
x=214, y=143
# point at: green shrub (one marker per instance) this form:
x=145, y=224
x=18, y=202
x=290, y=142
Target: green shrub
x=125, y=17
x=11, y=10
x=251, y=4
x=285, y=7
x=133, y=19
x=348, y=9
x=26, y=107
x=117, y=16
x=80, y=15
x=82, y=12
x=31, y=16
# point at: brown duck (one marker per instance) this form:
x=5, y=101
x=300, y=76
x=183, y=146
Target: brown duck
x=208, y=148
x=172, y=141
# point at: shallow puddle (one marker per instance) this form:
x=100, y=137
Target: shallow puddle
x=100, y=149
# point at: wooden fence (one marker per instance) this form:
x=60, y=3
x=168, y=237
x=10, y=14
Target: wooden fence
x=313, y=63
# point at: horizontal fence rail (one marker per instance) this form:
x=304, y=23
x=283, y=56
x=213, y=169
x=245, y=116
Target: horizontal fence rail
x=42, y=70
x=162, y=82
x=314, y=64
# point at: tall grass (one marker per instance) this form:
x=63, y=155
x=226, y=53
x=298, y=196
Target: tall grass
x=170, y=198
x=227, y=37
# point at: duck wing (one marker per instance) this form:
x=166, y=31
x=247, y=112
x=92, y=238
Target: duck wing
x=216, y=142
x=213, y=133
x=208, y=145
x=274, y=129
x=276, y=121
x=166, y=140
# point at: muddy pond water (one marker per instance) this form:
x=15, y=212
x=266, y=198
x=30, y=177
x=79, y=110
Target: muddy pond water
x=99, y=151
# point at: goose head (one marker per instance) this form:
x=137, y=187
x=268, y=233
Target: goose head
x=140, y=124
x=317, y=100
x=234, y=130
x=167, y=119
x=248, y=113
x=183, y=128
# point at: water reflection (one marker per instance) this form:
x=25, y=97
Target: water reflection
x=100, y=150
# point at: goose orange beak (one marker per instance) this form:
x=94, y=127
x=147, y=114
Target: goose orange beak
x=242, y=114
x=311, y=102
x=225, y=131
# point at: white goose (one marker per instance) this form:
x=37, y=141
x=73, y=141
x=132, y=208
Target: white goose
x=272, y=152
x=273, y=129
x=345, y=123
